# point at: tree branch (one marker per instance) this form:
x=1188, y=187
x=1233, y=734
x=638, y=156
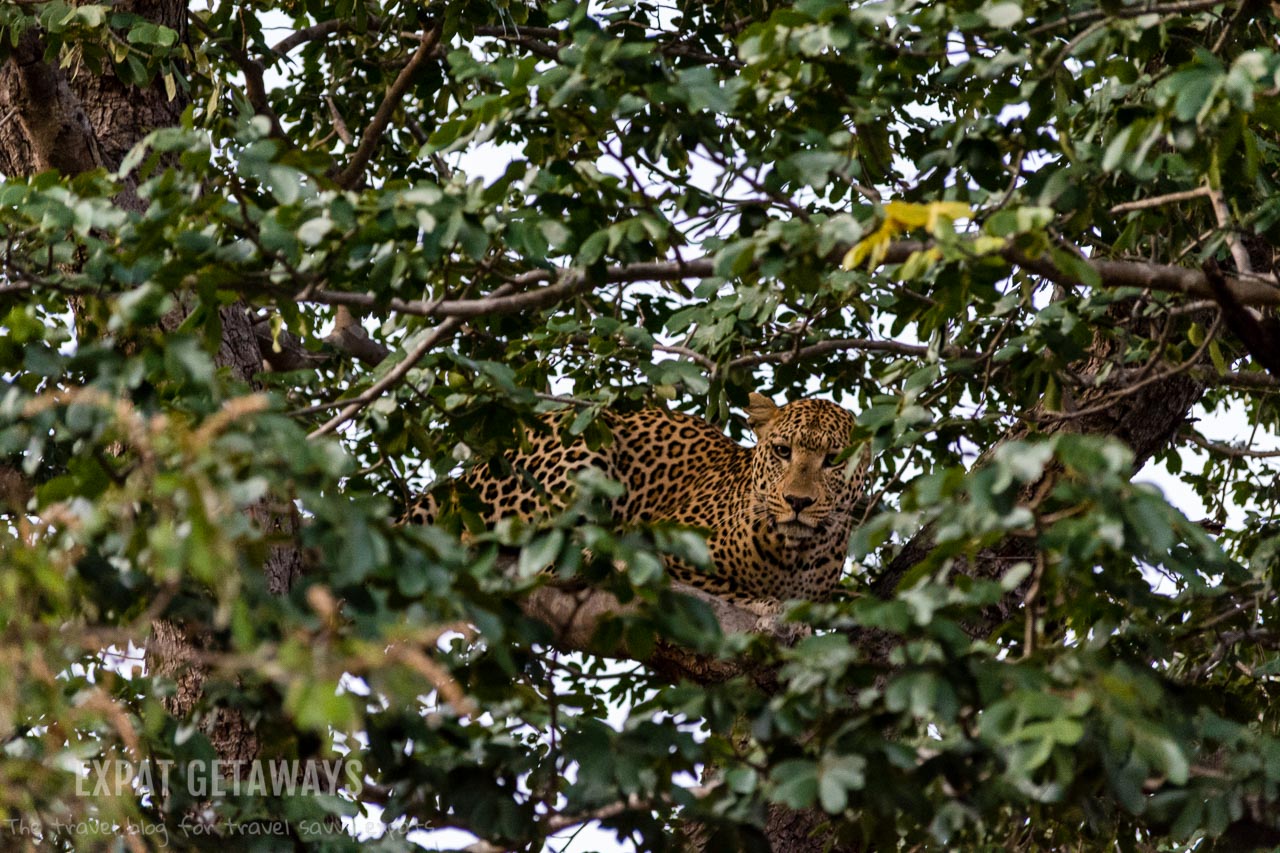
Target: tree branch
x=1147, y=276
x=1126, y=12
x=839, y=344
x=1252, y=291
x=1157, y=201
x=559, y=822
x=575, y=614
x=1254, y=380
x=1229, y=450
x=392, y=378
x=316, y=31
x=1239, y=253
x=570, y=283
x=285, y=351
x=1259, y=336
x=254, y=80
x=354, y=171
x=542, y=41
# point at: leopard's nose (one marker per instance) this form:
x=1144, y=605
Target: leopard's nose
x=798, y=503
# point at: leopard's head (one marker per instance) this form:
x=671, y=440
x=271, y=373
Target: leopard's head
x=803, y=482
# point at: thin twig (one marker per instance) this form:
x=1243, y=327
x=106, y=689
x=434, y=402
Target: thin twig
x=1124, y=12
x=339, y=123
x=432, y=338
x=439, y=677
x=838, y=344
x=1033, y=593
x=1157, y=201
x=1230, y=25
x=1197, y=307
x=691, y=354
x=1228, y=449
x=1079, y=39
x=1239, y=253
x=558, y=822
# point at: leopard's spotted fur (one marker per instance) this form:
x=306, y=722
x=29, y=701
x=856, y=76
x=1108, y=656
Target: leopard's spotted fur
x=778, y=514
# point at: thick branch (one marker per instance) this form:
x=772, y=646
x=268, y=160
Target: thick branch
x=1258, y=335
x=570, y=283
x=1254, y=381
x=575, y=614
x=285, y=351
x=1161, y=277
x=320, y=30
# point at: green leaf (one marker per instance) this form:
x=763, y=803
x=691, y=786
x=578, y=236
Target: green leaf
x=1003, y=15
x=836, y=777
x=795, y=783
x=541, y=553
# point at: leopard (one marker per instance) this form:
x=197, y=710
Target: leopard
x=777, y=515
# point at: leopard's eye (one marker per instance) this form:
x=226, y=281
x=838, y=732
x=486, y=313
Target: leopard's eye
x=782, y=450
x=832, y=459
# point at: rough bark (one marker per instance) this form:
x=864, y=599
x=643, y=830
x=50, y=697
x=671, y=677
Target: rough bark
x=50, y=129
x=15, y=490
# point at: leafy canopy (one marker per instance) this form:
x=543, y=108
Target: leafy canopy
x=697, y=200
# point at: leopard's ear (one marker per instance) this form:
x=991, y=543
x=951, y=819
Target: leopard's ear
x=760, y=411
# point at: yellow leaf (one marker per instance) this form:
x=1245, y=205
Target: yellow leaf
x=919, y=263
x=854, y=257
x=946, y=210
x=1215, y=355
x=874, y=245
x=986, y=244
x=901, y=216
x=908, y=215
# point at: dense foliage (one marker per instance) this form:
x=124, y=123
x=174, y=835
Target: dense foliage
x=902, y=207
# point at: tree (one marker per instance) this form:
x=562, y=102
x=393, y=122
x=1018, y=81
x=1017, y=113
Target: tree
x=256, y=296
